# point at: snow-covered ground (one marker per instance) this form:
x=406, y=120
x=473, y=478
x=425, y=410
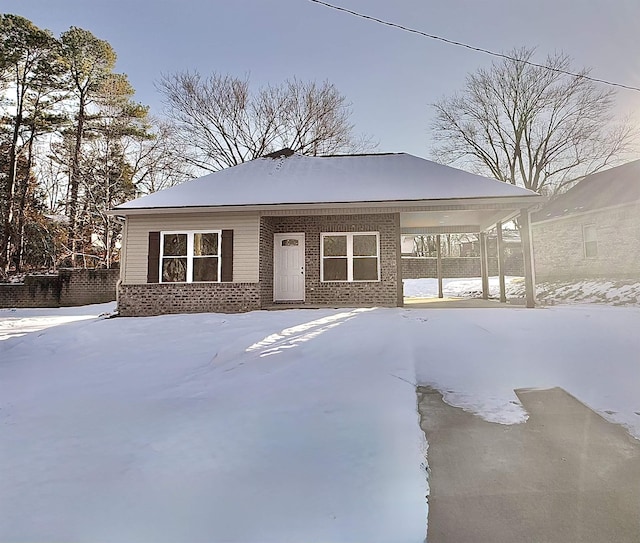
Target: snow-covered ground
x=294, y=425
x=602, y=291
x=469, y=287
x=18, y=322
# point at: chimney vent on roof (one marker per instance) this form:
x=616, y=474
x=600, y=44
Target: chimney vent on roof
x=282, y=153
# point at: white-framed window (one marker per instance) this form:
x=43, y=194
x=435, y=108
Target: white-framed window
x=590, y=241
x=350, y=256
x=190, y=257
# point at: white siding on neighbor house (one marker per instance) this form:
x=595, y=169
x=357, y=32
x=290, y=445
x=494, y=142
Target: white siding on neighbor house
x=246, y=235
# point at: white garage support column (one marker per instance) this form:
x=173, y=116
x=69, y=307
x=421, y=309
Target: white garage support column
x=439, y=266
x=500, y=249
x=529, y=277
x=484, y=265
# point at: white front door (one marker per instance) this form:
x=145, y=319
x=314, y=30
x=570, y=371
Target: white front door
x=288, y=267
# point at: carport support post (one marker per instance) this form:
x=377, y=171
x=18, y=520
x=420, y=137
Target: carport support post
x=484, y=265
x=400, y=286
x=503, y=290
x=439, y=266
x=525, y=238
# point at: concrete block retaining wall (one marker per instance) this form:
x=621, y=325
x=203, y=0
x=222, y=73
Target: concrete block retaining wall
x=419, y=267
x=67, y=288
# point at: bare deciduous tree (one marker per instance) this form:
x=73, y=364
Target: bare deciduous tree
x=157, y=160
x=107, y=174
x=530, y=126
x=223, y=123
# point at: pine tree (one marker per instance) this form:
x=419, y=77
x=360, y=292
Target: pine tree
x=90, y=63
x=30, y=67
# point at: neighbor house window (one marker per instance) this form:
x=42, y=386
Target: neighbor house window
x=190, y=257
x=350, y=257
x=590, y=240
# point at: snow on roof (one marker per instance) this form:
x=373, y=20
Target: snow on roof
x=298, y=179
x=615, y=186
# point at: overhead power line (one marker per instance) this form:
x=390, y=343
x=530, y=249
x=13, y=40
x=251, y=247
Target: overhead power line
x=472, y=47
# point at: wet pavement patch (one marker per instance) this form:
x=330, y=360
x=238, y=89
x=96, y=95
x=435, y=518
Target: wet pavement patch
x=566, y=475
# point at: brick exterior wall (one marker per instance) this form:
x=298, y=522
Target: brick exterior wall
x=419, y=267
x=559, y=249
x=162, y=298
x=67, y=288
x=267, y=229
x=381, y=293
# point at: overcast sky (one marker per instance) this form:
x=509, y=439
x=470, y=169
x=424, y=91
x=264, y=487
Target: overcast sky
x=389, y=76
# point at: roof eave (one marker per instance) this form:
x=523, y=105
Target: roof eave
x=572, y=214
x=505, y=202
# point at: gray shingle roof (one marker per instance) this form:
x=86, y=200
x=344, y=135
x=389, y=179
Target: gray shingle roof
x=298, y=179
x=615, y=186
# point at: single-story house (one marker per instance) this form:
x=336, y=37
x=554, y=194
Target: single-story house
x=593, y=229
x=292, y=229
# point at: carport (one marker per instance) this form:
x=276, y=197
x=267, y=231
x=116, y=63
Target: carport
x=478, y=216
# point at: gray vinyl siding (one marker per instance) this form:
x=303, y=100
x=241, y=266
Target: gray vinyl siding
x=246, y=233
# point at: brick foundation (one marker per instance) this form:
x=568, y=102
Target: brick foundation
x=162, y=298
x=67, y=288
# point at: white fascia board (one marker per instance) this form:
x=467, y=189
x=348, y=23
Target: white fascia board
x=500, y=202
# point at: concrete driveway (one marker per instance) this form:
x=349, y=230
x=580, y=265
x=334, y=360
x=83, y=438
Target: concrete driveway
x=566, y=475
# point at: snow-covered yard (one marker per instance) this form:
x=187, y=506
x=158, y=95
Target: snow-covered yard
x=469, y=287
x=602, y=291
x=294, y=425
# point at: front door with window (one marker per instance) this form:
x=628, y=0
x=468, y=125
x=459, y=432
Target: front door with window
x=288, y=268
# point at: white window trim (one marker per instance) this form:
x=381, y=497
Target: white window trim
x=190, y=237
x=585, y=241
x=349, y=256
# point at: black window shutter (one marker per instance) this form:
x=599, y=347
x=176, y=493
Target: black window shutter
x=153, y=262
x=227, y=256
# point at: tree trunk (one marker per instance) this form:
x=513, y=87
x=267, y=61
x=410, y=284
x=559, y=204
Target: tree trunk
x=75, y=181
x=24, y=203
x=7, y=237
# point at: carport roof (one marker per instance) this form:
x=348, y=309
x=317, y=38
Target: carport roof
x=286, y=178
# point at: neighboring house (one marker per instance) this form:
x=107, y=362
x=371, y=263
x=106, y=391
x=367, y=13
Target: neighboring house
x=288, y=228
x=470, y=243
x=407, y=245
x=593, y=229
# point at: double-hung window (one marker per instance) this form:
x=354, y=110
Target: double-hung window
x=590, y=240
x=350, y=256
x=190, y=257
